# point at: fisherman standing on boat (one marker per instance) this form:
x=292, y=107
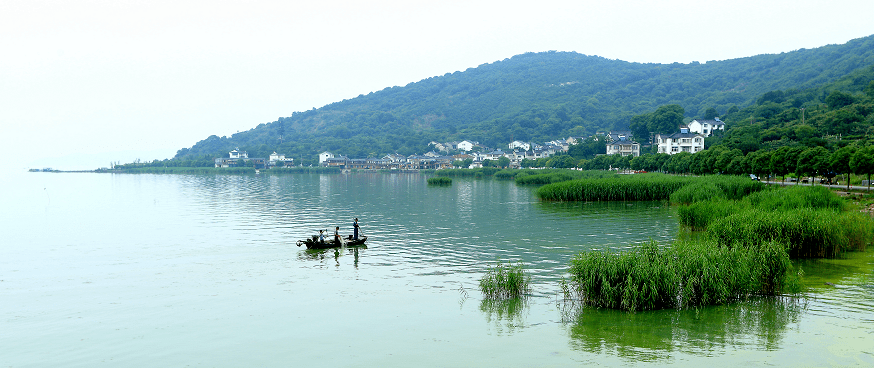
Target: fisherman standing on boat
x=337, y=235
x=321, y=237
x=355, y=225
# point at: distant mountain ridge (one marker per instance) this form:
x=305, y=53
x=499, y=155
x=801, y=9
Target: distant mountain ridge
x=535, y=97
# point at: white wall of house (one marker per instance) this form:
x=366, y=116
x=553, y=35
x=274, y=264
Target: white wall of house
x=680, y=142
x=465, y=146
x=324, y=156
x=706, y=127
x=519, y=144
x=624, y=148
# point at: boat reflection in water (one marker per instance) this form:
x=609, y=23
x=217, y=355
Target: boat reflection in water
x=321, y=255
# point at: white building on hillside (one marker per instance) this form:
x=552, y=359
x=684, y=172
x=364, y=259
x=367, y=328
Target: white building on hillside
x=684, y=141
x=236, y=153
x=519, y=144
x=706, y=127
x=324, y=156
x=279, y=160
x=465, y=146
x=623, y=146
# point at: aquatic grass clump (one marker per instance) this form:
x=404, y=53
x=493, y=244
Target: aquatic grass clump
x=640, y=279
x=440, y=180
x=686, y=274
x=505, y=281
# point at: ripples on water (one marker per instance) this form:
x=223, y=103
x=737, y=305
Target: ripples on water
x=427, y=230
x=148, y=264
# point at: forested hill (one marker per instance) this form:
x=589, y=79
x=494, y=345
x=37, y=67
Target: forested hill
x=534, y=97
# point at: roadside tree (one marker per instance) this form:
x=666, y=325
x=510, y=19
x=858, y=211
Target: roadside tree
x=862, y=162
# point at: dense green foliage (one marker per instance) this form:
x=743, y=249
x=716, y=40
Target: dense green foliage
x=686, y=274
x=545, y=96
x=505, y=281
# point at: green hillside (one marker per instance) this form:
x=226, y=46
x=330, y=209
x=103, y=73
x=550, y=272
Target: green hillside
x=539, y=97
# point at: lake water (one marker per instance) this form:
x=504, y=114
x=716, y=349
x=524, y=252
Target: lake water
x=191, y=270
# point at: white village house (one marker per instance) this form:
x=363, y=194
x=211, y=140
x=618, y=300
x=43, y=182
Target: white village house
x=519, y=144
x=324, y=156
x=684, y=141
x=706, y=127
x=465, y=146
x=624, y=146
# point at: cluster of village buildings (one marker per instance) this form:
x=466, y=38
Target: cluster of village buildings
x=690, y=139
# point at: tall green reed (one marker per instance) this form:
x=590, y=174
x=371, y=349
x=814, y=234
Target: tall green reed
x=505, y=281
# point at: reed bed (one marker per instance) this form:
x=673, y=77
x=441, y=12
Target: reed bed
x=541, y=177
x=811, y=221
x=644, y=187
x=684, y=275
x=696, y=192
x=478, y=172
x=505, y=281
x=440, y=180
x=698, y=215
x=793, y=197
x=806, y=232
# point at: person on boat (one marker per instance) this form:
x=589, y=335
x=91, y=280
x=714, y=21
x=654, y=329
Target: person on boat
x=355, y=226
x=321, y=236
x=337, y=234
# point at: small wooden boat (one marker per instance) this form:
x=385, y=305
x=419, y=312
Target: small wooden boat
x=314, y=243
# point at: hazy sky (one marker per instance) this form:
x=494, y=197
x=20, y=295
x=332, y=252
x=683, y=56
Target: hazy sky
x=83, y=83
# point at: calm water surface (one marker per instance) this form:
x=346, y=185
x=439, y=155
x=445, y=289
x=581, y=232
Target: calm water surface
x=176, y=270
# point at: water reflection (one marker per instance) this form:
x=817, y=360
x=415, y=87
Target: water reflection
x=661, y=335
x=324, y=256
x=505, y=316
